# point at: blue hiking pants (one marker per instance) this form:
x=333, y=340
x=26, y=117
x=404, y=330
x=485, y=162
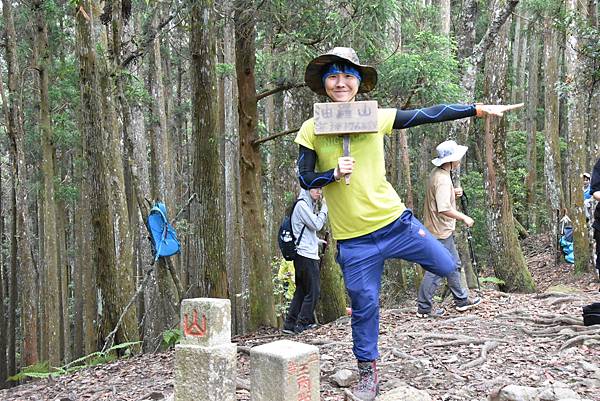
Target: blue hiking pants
x=361, y=260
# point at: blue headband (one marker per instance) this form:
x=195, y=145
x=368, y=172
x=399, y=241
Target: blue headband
x=333, y=69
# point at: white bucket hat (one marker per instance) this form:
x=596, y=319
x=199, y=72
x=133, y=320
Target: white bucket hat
x=449, y=151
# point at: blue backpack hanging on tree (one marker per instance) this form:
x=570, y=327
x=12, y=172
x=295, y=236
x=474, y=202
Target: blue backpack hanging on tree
x=162, y=234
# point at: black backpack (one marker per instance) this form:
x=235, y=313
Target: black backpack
x=591, y=314
x=285, y=237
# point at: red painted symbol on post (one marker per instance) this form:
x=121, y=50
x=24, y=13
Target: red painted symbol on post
x=303, y=381
x=194, y=328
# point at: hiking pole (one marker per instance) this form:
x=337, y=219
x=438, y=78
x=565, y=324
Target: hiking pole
x=463, y=202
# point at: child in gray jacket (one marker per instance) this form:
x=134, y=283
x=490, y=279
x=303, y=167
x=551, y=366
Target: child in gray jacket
x=306, y=221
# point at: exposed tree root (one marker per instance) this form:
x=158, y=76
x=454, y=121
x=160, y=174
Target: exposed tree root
x=579, y=340
x=563, y=300
x=552, y=321
x=488, y=346
x=556, y=330
x=454, y=339
x=552, y=295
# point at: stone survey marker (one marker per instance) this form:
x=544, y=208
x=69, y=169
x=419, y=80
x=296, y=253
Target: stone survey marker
x=205, y=360
x=284, y=371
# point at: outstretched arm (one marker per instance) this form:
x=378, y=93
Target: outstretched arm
x=448, y=112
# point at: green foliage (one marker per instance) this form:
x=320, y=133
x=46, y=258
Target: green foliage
x=472, y=184
x=306, y=28
x=225, y=70
x=283, y=284
x=42, y=370
x=172, y=337
x=424, y=71
x=493, y=280
x=289, y=197
x=135, y=89
x=67, y=192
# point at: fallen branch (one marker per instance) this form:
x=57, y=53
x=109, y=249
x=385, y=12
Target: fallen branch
x=108, y=341
x=187, y=204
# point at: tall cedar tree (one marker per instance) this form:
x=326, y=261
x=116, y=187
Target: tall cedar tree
x=208, y=170
x=262, y=309
x=507, y=257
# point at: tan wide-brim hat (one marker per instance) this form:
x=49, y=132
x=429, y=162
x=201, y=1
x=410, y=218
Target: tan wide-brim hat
x=449, y=151
x=313, y=76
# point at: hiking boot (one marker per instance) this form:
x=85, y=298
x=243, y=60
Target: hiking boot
x=367, y=387
x=300, y=327
x=438, y=312
x=288, y=329
x=468, y=304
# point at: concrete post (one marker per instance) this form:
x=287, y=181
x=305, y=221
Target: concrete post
x=284, y=371
x=205, y=360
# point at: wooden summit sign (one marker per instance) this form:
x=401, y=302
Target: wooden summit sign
x=339, y=118
x=345, y=118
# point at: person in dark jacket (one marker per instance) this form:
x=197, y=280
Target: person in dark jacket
x=595, y=191
x=306, y=222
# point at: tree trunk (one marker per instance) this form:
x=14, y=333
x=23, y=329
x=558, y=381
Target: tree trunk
x=270, y=189
x=3, y=293
x=532, y=96
x=93, y=197
x=4, y=275
x=445, y=17
x=13, y=292
x=208, y=171
x=552, y=164
x=262, y=310
x=333, y=299
x=472, y=55
x=237, y=271
x=507, y=256
x=159, y=297
x=49, y=258
x=576, y=75
x=28, y=277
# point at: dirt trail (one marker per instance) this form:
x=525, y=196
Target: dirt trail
x=524, y=339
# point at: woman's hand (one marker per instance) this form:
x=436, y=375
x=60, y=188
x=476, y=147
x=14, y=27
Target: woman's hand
x=495, y=109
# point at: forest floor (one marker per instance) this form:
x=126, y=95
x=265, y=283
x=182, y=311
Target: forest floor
x=523, y=339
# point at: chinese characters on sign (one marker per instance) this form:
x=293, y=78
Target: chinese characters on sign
x=302, y=373
x=345, y=118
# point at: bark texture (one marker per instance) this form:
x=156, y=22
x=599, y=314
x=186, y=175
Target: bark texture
x=262, y=311
x=507, y=256
x=208, y=169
